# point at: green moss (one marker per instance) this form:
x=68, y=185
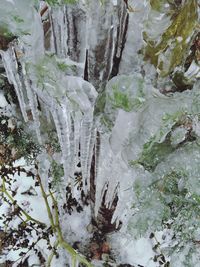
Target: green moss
x=122, y=100
x=64, y=67
x=100, y=103
x=165, y=141
x=6, y=33
x=157, y=4
x=169, y=183
x=175, y=40
x=18, y=19
x=53, y=141
x=70, y=1
x=125, y=101
x=166, y=198
x=154, y=153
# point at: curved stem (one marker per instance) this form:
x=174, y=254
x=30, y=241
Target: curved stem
x=28, y=217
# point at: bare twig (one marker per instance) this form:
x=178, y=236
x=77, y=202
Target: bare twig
x=43, y=10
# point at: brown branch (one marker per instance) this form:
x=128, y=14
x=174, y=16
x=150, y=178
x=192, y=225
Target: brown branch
x=43, y=10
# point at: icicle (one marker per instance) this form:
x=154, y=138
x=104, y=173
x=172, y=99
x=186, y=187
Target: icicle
x=91, y=149
x=52, y=45
x=64, y=142
x=70, y=260
x=112, y=179
x=112, y=191
x=62, y=122
x=97, y=151
x=59, y=31
x=64, y=34
x=122, y=28
x=125, y=195
x=77, y=124
x=101, y=41
x=86, y=129
x=134, y=41
x=73, y=261
x=11, y=67
x=33, y=104
x=44, y=166
x=47, y=113
x=104, y=169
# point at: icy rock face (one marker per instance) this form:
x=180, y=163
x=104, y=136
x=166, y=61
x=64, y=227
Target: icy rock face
x=127, y=100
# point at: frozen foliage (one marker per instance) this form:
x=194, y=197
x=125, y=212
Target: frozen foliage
x=159, y=137
x=111, y=78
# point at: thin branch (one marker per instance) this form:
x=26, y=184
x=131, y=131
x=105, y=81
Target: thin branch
x=47, y=204
x=28, y=217
x=43, y=10
x=50, y=258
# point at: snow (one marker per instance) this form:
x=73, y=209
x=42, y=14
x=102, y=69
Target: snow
x=132, y=251
x=3, y=102
x=35, y=207
x=135, y=110
x=76, y=227
x=24, y=183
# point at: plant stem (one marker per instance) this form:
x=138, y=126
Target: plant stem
x=74, y=254
x=47, y=204
x=55, y=224
x=28, y=217
x=52, y=254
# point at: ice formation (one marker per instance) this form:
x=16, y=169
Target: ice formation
x=82, y=48
x=70, y=101
x=90, y=52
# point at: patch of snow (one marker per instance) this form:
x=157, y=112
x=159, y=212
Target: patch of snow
x=3, y=102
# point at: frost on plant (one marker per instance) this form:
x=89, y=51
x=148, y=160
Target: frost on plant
x=100, y=125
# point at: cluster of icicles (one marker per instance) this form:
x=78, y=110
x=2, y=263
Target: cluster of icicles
x=77, y=34
x=74, y=126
